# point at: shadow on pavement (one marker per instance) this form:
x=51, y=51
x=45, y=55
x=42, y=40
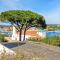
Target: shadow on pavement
x=13, y=44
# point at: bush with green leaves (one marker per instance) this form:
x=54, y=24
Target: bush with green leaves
x=2, y=38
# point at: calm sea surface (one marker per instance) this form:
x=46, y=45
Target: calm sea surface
x=51, y=33
x=48, y=33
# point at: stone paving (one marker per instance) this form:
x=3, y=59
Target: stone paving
x=39, y=51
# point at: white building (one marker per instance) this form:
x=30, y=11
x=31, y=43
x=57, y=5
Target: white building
x=31, y=33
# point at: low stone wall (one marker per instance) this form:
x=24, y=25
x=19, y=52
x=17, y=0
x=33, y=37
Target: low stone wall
x=5, y=50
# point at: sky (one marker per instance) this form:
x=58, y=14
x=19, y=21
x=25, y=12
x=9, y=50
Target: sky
x=50, y=9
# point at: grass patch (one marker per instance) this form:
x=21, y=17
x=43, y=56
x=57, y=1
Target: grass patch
x=49, y=40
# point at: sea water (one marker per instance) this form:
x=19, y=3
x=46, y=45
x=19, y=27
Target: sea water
x=53, y=33
x=48, y=33
x=6, y=33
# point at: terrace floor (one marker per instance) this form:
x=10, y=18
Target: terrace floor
x=36, y=51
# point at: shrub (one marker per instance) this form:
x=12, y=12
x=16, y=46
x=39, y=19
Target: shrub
x=2, y=38
x=48, y=40
x=34, y=39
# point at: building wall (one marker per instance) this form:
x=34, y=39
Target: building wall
x=30, y=33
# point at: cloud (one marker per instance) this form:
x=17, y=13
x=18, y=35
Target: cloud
x=11, y=4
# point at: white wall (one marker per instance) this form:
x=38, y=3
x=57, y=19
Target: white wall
x=42, y=34
x=14, y=33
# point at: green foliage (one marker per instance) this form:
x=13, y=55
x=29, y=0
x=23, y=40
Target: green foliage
x=49, y=40
x=52, y=40
x=21, y=16
x=25, y=17
x=2, y=38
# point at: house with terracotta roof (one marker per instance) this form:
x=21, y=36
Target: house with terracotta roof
x=30, y=33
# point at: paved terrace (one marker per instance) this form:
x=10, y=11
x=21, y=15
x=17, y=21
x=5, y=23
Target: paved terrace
x=36, y=50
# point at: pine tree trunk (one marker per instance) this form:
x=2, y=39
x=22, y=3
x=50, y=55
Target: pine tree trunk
x=20, y=33
x=24, y=34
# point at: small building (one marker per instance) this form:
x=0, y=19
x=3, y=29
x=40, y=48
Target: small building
x=30, y=33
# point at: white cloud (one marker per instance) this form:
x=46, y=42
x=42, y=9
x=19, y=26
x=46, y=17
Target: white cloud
x=11, y=4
